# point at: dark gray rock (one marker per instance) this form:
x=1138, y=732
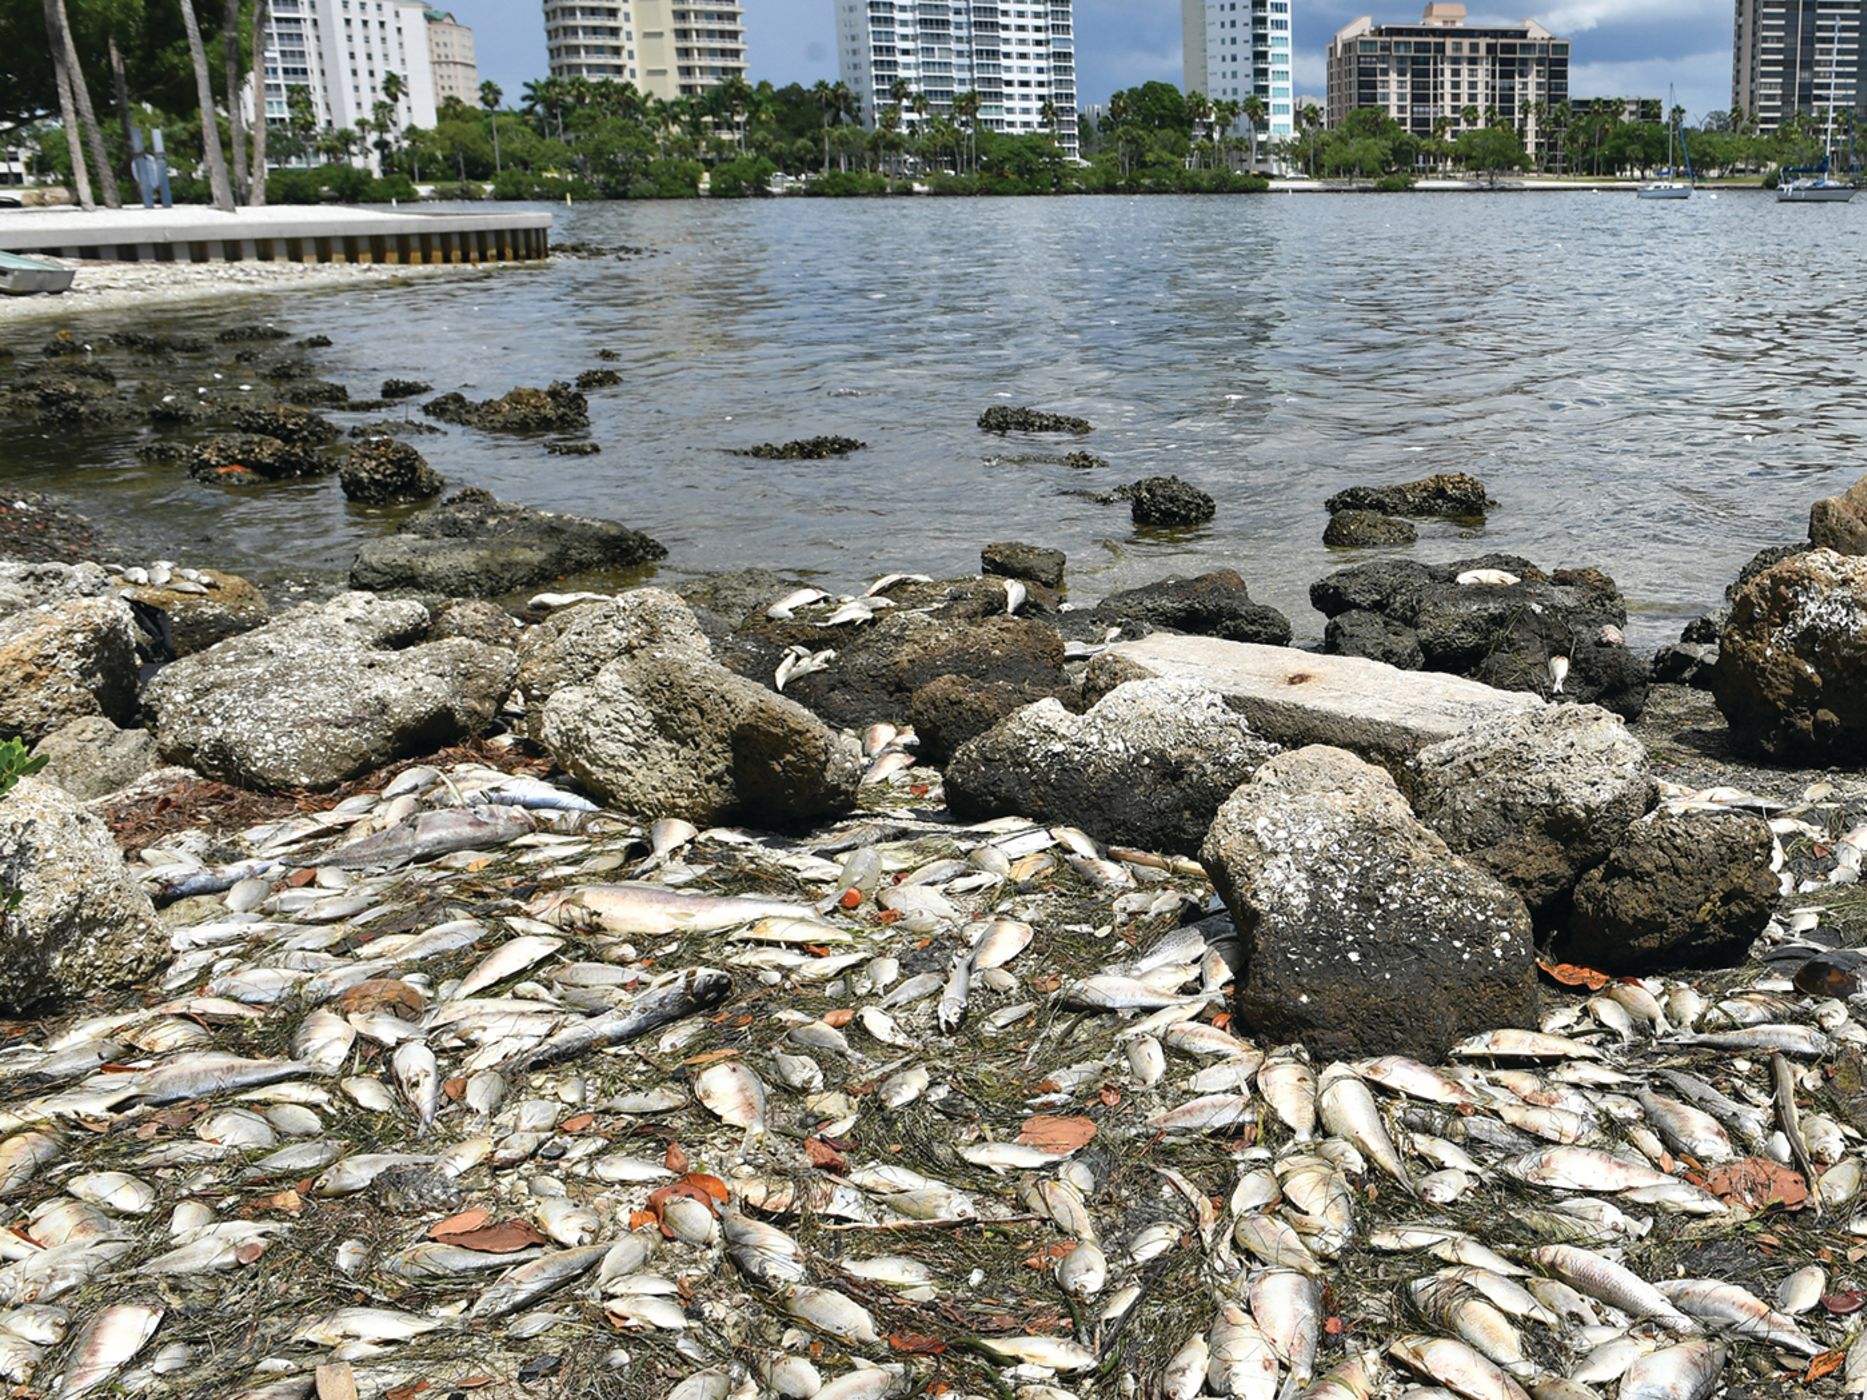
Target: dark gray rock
x=294, y=426
x=325, y=693
x=381, y=471
x=1168, y=503
x=1366, y=529
x=1024, y=561
x=1792, y=661
x=1761, y=561
x=1686, y=663
x=557, y=409
x=1217, y=604
x=31, y=585
x=91, y=758
x=1537, y=798
x=1148, y=765
x=1003, y=419
x=1375, y=638
x=1362, y=934
x=405, y=388
x=673, y=734
x=83, y=927
x=232, y=459
x=736, y=597
x=1681, y=890
x=1451, y=494
x=473, y=546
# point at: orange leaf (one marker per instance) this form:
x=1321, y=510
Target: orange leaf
x=839, y=1018
x=1049, y=1255
x=892, y=916
x=507, y=1238
x=1333, y=1327
x=250, y=1252
x=460, y=1224
x=405, y=1392
x=1824, y=1365
x=824, y=1156
x=288, y=1201
x=1572, y=975
x=1109, y=1095
x=1058, y=1135
x=711, y=1057
x=675, y=1160
x=577, y=1124
x=639, y=1218
x=909, y=1344
x=1757, y=1183
x=455, y=1089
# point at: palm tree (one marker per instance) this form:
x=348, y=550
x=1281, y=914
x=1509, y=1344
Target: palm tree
x=1254, y=119
x=1047, y=114
x=67, y=106
x=210, y=123
x=230, y=66
x=262, y=21
x=491, y=95
x=966, y=109
x=919, y=106
x=825, y=97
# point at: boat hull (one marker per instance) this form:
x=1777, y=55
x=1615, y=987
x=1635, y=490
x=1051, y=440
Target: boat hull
x=1815, y=194
x=22, y=276
x=1666, y=192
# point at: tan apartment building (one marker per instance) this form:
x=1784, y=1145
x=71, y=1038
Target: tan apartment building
x=687, y=49
x=450, y=52
x=1791, y=56
x=1442, y=67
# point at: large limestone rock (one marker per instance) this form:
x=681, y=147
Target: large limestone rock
x=92, y=758
x=1504, y=634
x=1362, y=933
x=31, y=585
x=324, y=693
x=1840, y=522
x=83, y=926
x=670, y=733
x=472, y=546
x=1295, y=698
x=1148, y=765
x=1792, y=660
x=573, y=644
x=1681, y=890
x=225, y=606
x=63, y=661
x=1537, y=798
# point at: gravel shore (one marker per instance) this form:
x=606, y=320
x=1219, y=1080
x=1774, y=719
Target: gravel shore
x=124, y=286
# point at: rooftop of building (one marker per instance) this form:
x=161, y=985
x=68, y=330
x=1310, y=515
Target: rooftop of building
x=1439, y=15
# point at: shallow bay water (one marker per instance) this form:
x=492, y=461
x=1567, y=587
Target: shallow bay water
x=1658, y=390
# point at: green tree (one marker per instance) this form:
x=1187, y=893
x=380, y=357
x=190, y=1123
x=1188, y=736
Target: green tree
x=491, y=95
x=1491, y=150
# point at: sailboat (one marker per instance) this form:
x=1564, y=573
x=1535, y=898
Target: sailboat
x=1667, y=187
x=1814, y=186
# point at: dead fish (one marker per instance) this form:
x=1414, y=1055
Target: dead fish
x=1736, y=1311
x=433, y=834
x=420, y=1077
x=1288, y=1308
x=1348, y=1111
x=655, y=909
x=1523, y=1045
x=1242, y=1363
x=106, y=1345
x=1611, y=1283
x=529, y=1282
x=786, y=607
x=1558, y=674
x=1488, y=578
x=1052, y=1353
x=1457, y=1366
x=1289, y=1086
x=202, y=1076
x=1689, y=1371
x=827, y=1311
x=22, y=1156
x=798, y=661
x=695, y=990
x=734, y=1094
x=506, y=961
x=364, y=1325
x=1801, y=1041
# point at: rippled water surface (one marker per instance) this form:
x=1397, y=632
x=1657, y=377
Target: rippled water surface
x=1656, y=389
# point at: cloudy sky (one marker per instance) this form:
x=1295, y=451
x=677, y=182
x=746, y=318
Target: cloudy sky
x=1622, y=47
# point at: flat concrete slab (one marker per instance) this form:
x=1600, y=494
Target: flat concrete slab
x=1384, y=714
x=282, y=233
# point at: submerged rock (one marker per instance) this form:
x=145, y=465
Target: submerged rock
x=1537, y=798
x=1148, y=765
x=83, y=926
x=289, y=425
x=1001, y=419
x=1451, y=494
x=673, y=734
x=1217, y=604
x=230, y=458
x=91, y=757
x=472, y=545
x=1363, y=933
x=573, y=644
x=1792, y=662
x=405, y=388
x=814, y=449
x=1031, y=562
x=325, y=692
x=1366, y=529
x=1679, y=890
x=66, y=661
x=1840, y=522
x=1166, y=502
x=382, y=471
x=559, y=408
x=1509, y=625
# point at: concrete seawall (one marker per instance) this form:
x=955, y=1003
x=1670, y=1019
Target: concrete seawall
x=283, y=234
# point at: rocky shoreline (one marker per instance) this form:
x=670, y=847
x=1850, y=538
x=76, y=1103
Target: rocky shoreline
x=743, y=988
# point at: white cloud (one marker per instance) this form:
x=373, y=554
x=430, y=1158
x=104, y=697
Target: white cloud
x=1702, y=80
x=1581, y=16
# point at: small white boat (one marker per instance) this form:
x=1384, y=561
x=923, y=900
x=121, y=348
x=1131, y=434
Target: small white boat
x=1821, y=190
x=1667, y=187
x=22, y=276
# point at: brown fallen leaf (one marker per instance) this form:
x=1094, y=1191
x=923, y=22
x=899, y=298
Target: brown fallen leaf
x=1824, y=1365
x=1058, y=1135
x=711, y=1057
x=1841, y=1304
x=474, y=1219
x=674, y=1159
x=508, y=1237
x=1757, y=1183
x=577, y=1123
x=824, y=1157
x=839, y=1018
x=405, y=1392
x=912, y=1344
x=251, y=1252
x=288, y=1202
x=1573, y=975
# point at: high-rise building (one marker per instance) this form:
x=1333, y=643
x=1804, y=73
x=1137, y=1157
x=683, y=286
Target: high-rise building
x=584, y=40
x=342, y=53
x=1791, y=56
x=667, y=48
x=1443, y=70
x=1240, y=49
x=450, y=54
x=686, y=49
x=1019, y=56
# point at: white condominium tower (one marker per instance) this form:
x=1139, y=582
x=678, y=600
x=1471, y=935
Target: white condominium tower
x=1019, y=56
x=1793, y=56
x=341, y=51
x=1239, y=49
x=666, y=48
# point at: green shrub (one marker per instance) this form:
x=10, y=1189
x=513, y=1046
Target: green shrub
x=391, y=188
x=16, y=763
x=738, y=179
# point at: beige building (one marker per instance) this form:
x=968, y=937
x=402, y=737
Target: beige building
x=450, y=52
x=667, y=48
x=1443, y=68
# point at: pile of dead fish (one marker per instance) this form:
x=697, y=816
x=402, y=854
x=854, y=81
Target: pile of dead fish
x=468, y=1083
